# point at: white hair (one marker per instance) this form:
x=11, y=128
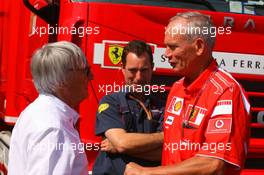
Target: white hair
x=196, y=20
x=51, y=64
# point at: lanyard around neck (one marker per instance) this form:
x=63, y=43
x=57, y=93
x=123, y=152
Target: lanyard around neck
x=149, y=114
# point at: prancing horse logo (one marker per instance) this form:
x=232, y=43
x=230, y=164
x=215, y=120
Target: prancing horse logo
x=115, y=53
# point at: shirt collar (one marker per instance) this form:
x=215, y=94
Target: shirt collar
x=70, y=113
x=198, y=83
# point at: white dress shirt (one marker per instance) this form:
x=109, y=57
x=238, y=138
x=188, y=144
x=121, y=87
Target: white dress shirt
x=45, y=142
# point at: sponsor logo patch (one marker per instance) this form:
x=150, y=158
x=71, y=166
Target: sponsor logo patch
x=219, y=125
x=195, y=114
x=169, y=120
x=102, y=107
x=175, y=106
x=223, y=107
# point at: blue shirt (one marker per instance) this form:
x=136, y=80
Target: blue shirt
x=118, y=110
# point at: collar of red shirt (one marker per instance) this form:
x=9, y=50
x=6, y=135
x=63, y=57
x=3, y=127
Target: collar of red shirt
x=198, y=83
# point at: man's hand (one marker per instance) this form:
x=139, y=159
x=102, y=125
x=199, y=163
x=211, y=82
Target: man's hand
x=107, y=146
x=134, y=143
x=194, y=165
x=134, y=169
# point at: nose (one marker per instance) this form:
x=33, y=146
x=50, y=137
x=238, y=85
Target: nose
x=138, y=76
x=168, y=53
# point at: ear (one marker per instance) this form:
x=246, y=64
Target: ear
x=60, y=90
x=199, y=46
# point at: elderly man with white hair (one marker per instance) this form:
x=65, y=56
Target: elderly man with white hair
x=44, y=139
x=206, y=120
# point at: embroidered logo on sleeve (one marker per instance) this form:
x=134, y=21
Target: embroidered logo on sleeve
x=195, y=114
x=219, y=125
x=102, y=107
x=223, y=107
x=175, y=106
x=169, y=120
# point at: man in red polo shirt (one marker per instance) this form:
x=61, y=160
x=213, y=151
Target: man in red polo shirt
x=206, y=126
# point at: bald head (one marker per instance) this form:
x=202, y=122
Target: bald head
x=188, y=47
x=193, y=25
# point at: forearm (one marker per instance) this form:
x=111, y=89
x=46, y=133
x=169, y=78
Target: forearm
x=142, y=143
x=134, y=143
x=192, y=166
x=153, y=155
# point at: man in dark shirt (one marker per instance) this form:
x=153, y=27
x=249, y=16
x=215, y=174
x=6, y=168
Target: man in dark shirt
x=130, y=120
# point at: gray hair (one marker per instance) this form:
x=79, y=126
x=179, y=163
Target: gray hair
x=196, y=20
x=51, y=64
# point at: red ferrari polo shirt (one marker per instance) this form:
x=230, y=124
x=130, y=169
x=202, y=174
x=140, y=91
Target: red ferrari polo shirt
x=209, y=117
